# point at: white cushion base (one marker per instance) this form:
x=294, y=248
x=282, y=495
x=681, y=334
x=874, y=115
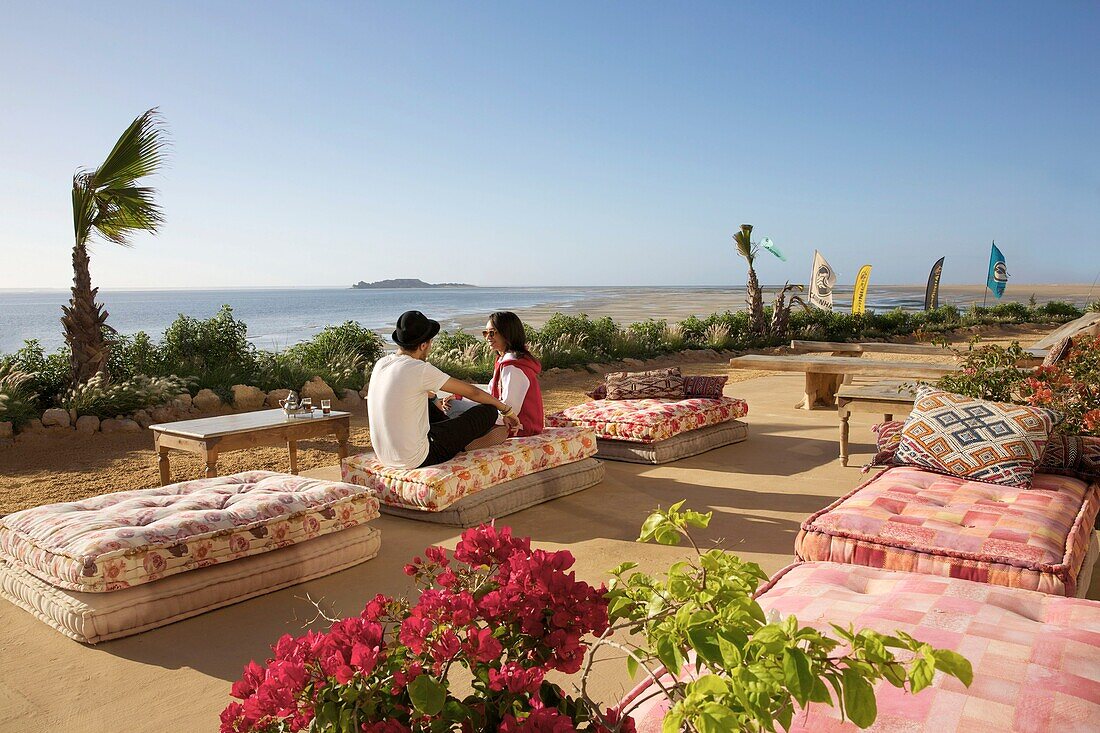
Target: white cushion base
x=95, y=617
x=684, y=445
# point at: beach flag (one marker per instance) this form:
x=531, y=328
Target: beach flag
x=822, y=280
x=769, y=245
x=932, y=292
x=997, y=278
x=859, y=294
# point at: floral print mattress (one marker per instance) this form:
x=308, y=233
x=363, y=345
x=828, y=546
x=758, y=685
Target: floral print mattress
x=434, y=488
x=116, y=541
x=916, y=520
x=648, y=420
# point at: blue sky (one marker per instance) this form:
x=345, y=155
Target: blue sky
x=561, y=143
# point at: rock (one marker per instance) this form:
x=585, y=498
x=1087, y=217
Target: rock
x=111, y=425
x=129, y=426
x=34, y=425
x=275, y=395
x=164, y=413
x=87, y=424
x=206, y=400
x=56, y=417
x=248, y=398
x=183, y=401
x=349, y=401
x=142, y=418
x=317, y=390
x=634, y=362
x=7, y=433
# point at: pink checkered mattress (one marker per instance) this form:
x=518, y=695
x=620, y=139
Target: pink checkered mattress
x=1036, y=657
x=915, y=520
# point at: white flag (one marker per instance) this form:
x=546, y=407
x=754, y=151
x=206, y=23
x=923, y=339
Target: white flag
x=822, y=281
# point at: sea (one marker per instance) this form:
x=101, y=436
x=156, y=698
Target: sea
x=280, y=317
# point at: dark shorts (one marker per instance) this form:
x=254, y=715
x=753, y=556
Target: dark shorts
x=449, y=436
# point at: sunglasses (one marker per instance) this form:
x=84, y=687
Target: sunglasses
x=489, y=332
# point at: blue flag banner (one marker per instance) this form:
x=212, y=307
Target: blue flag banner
x=998, y=273
x=769, y=245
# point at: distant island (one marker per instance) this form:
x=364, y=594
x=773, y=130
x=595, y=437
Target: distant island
x=407, y=282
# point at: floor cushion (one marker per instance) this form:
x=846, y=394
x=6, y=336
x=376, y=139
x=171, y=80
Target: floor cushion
x=121, y=540
x=95, y=617
x=434, y=488
x=1036, y=657
x=910, y=519
x=648, y=420
x=511, y=496
x=684, y=445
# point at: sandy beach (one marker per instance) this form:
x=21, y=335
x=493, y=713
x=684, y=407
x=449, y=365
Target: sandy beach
x=628, y=305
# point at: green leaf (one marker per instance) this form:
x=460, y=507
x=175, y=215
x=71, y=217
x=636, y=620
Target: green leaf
x=859, y=699
x=921, y=672
x=705, y=642
x=631, y=666
x=955, y=665
x=427, y=694
x=710, y=684
x=796, y=674
x=716, y=718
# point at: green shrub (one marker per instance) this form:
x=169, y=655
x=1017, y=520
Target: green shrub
x=48, y=375
x=214, y=353
x=102, y=399
x=342, y=342
x=1061, y=308
x=17, y=402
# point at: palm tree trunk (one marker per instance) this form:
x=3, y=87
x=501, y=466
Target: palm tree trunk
x=756, y=304
x=83, y=321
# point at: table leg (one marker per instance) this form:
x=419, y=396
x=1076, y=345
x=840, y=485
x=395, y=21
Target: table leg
x=211, y=463
x=820, y=390
x=342, y=442
x=165, y=468
x=887, y=417
x=844, y=415
x=292, y=447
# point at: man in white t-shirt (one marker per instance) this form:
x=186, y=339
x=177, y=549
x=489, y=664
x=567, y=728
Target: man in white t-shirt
x=407, y=429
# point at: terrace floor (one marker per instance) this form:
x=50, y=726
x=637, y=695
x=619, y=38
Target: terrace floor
x=178, y=677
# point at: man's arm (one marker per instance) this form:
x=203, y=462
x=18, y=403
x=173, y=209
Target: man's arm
x=470, y=392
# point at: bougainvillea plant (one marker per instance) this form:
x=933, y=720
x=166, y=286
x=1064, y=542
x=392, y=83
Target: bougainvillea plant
x=1071, y=387
x=723, y=665
x=494, y=613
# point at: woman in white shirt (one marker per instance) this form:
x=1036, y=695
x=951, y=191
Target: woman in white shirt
x=516, y=372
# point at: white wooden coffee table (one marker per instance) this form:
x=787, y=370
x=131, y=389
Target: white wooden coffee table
x=211, y=436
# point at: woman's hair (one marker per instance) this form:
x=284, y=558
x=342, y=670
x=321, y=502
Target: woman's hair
x=510, y=328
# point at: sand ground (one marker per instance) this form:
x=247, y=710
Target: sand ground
x=178, y=677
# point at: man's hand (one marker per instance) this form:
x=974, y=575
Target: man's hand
x=512, y=423
x=444, y=403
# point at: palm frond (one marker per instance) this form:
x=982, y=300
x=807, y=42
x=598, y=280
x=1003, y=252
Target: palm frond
x=108, y=200
x=745, y=246
x=139, y=152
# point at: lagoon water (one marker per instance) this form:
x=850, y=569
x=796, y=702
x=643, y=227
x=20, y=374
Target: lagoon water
x=277, y=318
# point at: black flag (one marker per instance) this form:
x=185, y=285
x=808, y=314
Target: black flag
x=932, y=292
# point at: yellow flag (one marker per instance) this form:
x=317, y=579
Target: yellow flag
x=859, y=294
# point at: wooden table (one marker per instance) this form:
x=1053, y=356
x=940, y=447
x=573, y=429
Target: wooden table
x=825, y=374
x=888, y=397
x=210, y=436
x=838, y=348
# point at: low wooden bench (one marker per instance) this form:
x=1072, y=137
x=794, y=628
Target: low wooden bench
x=825, y=374
x=874, y=347
x=887, y=397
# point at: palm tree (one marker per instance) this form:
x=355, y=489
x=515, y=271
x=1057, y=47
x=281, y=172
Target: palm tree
x=107, y=201
x=755, y=298
x=781, y=307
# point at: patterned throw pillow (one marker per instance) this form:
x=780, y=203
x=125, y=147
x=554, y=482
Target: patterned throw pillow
x=1058, y=352
x=1072, y=455
x=655, y=384
x=995, y=442
x=600, y=393
x=888, y=436
x=708, y=387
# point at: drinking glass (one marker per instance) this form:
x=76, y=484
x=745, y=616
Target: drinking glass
x=326, y=407
x=307, y=405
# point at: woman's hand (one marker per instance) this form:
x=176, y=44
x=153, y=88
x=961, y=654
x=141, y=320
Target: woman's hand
x=512, y=423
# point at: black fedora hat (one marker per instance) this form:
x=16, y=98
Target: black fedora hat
x=413, y=329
